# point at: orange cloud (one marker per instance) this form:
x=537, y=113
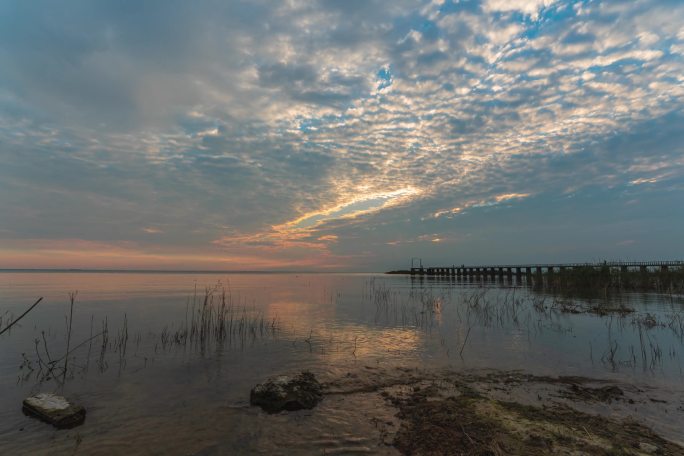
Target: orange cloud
x=299, y=237
x=78, y=253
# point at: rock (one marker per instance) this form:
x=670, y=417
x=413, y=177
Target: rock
x=648, y=448
x=649, y=321
x=55, y=410
x=287, y=393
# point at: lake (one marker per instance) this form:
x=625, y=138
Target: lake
x=167, y=381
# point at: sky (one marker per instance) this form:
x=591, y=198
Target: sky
x=339, y=135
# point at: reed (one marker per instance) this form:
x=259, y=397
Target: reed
x=530, y=312
x=591, y=282
x=212, y=321
x=72, y=298
x=216, y=320
x=18, y=319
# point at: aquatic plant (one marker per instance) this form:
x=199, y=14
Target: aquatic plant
x=212, y=321
x=591, y=281
x=14, y=321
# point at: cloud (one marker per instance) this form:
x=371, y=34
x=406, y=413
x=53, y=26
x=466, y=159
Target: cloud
x=319, y=133
x=528, y=7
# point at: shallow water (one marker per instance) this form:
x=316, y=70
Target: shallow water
x=161, y=397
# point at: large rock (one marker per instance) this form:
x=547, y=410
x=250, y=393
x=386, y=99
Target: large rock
x=54, y=409
x=287, y=393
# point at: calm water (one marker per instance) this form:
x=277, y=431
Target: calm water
x=161, y=397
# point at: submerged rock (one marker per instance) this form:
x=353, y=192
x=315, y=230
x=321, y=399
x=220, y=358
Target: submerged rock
x=302, y=391
x=55, y=410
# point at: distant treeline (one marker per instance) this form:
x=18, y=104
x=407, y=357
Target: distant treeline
x=591, y=280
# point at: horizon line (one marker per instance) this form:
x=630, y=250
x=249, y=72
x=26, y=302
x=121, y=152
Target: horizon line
x=184, y=271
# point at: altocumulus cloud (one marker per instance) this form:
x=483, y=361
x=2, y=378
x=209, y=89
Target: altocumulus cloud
x=339, y=134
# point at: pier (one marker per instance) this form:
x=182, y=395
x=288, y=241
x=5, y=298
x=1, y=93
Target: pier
x=530, y=269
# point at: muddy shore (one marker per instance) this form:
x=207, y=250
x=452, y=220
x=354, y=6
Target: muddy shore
x=503, y=413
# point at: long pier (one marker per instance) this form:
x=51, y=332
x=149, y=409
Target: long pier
x=529, y=269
